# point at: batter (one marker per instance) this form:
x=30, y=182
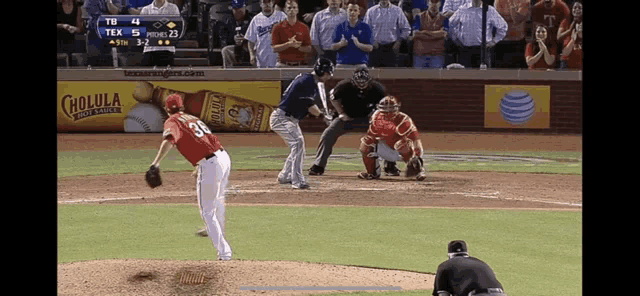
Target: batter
x=298, y=101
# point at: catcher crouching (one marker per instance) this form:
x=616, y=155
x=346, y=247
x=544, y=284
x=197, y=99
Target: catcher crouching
x=392, y=136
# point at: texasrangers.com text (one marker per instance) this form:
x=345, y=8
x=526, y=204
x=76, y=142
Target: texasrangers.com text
x=164, y=73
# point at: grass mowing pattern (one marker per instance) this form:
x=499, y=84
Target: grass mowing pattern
x=525, y=248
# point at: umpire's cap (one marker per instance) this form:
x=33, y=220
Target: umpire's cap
x=323, y=65
x=457, y=247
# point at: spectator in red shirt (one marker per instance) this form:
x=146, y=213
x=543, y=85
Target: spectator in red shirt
x=572, y=52
x=550, y=13
x=290, y=38
x=571, y=46
x=569, y=23
x=539, y=53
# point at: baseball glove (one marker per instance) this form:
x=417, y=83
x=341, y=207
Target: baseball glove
x=414, y=166
x=152, y=176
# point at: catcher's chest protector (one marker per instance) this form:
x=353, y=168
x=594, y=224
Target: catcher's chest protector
x=392, y=126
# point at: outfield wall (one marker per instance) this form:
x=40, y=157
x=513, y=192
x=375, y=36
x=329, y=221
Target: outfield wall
x=470, y=100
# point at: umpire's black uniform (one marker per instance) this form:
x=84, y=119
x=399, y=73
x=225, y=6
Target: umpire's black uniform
x=463, y=275
x=357, y=104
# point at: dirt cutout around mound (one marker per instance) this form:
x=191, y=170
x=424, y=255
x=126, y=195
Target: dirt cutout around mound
x=235, y=277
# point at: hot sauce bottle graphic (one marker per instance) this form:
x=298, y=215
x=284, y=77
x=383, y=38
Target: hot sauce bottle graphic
x=221, y=111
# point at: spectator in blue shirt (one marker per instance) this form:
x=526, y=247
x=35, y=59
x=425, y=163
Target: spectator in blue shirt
x=466, y=27
x=99, y=50
x=352, y=40
x=323, y=26
x=134, y=7
x=389, y=26
x=449, y=7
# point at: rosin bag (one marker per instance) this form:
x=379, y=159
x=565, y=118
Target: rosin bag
x=221, y=111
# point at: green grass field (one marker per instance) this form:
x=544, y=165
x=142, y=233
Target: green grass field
x=82, y=163
x=527, y=249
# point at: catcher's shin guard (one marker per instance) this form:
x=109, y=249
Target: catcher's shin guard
x=369, y=156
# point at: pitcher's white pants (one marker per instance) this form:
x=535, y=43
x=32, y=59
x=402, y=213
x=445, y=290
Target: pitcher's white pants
x=213, y=176
x=288, y=129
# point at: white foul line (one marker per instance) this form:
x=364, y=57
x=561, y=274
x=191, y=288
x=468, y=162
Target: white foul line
x=494, y=195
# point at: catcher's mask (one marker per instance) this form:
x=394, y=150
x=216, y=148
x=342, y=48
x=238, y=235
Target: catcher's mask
x=388, y=104
x=174, y=102
x=361, y=77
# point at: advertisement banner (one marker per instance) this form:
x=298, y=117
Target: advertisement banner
x=136, y=106
x=517, y=106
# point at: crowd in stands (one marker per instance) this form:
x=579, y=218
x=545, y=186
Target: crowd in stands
x=520, y=34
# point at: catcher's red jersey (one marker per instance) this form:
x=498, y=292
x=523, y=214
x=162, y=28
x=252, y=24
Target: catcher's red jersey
x=391, y=127
x=191, y=136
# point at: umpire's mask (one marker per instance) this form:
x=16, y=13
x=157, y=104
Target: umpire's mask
x=361, y=77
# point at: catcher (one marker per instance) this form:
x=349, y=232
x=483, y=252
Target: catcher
x=392, y=136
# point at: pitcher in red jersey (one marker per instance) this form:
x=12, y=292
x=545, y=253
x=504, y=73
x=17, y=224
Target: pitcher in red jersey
x=203, y=150
x=392, y=136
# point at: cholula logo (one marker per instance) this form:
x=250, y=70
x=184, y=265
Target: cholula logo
x=517, y=107
x=82, y=107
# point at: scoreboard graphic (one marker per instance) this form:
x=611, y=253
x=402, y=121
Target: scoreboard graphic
x=141, y=30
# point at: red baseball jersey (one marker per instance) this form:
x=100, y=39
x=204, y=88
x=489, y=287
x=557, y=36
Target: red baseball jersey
x=574, y=60
x=550, y=17
x=281, y=34
x=541, y=64
x=391, y=127
x=191, y=136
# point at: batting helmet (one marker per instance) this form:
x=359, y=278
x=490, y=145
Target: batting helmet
x=389, y=104
x=174, y=103
x=361, y=77
x=323, y=65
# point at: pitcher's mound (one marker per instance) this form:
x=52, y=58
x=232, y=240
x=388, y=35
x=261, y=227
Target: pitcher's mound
x=235, y=277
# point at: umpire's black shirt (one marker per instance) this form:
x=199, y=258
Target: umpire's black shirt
x=462, y=274
x=355, y=102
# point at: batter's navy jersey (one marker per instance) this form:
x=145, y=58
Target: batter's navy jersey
x=299, y=96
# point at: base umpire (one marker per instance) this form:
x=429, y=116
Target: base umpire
x=355, y=101
x=463, y=275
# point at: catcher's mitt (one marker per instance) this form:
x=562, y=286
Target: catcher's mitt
x=153, y=177
x=414, y=166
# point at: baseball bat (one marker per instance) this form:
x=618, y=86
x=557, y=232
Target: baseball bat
x=323, y=97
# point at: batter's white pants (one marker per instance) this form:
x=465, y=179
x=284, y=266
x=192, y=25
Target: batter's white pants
x=288, y=129
x=213, y=176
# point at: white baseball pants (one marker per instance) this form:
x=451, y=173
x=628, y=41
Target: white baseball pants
x=288, y=129
x=213, y=176
x=387, y=153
